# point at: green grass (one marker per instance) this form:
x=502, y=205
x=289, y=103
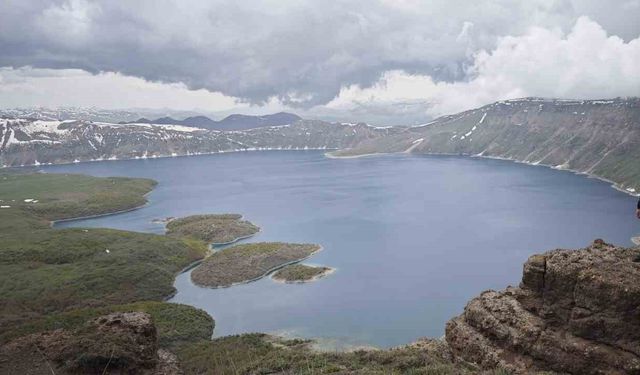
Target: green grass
x=242, y=263
x=63, y=196
x=300, y=273
x=217, y=229
x=45, y=271
x=176, y=324
x=263, y=354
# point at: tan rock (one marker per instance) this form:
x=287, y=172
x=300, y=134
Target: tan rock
x=576, y=311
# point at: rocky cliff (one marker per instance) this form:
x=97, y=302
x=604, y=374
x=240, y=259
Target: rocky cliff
x=575, y=311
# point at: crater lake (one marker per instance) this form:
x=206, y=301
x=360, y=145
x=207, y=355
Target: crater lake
x=412, y=238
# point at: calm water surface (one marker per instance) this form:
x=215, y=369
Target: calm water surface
x=412, y=237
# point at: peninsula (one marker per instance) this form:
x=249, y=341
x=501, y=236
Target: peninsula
x=248, y=262
x=213, y=229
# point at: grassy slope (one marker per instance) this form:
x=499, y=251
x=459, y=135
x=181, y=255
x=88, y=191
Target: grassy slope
x=262, y=354
x=62, y=196
x=44, y=271
x=247, y=262
x=217, y=229
x=177, y=324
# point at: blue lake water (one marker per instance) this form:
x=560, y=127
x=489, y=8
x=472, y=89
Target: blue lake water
x=413, y=238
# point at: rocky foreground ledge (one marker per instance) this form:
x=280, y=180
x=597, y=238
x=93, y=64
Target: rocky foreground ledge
x=118, y=343
x=575, y=312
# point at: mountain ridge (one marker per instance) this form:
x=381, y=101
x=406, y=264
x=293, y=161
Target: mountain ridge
x=232, y=122
x=600, y=138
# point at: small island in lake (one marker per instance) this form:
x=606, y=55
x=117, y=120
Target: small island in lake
x=216, y=229
x=301, y=273
x=248, y=262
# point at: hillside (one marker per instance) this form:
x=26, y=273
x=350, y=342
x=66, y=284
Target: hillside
x=33, y=142
x=597, y=137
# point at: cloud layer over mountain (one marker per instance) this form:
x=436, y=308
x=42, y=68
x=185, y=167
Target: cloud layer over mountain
x=305, y=54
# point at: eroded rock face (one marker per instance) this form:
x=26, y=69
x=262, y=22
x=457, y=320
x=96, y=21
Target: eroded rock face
x=576, y=311
x=118, y=343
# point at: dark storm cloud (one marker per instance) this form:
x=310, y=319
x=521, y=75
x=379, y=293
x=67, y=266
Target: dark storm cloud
x=301, y=52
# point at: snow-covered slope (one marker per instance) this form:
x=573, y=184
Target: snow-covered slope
x=33, y=142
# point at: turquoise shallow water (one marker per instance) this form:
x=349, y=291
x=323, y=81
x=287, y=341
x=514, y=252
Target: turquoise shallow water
x=413, y=238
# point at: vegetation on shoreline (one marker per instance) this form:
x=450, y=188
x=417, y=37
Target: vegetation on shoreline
x=66, y=196
x=298, y=273
x=216, y=229
x=45, y=271
x=263, y=354
x=243, y=263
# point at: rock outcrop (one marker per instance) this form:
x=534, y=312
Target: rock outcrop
x=118, y=343
x=576, y=311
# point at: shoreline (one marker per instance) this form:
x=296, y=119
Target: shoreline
x=213, y=245
x=167, y=156
x=328, y=155
x=53, y=223
x=613, y=184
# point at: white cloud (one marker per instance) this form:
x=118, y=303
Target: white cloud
x=301, y=51
x=585, y=63
x=26, y=87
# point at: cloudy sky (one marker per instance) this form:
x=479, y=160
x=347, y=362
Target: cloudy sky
x=382, y=61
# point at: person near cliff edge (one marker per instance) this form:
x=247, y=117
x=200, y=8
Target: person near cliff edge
x=638, y=209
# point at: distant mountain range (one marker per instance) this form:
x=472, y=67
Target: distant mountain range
x=234, y=122
x=597, y=137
